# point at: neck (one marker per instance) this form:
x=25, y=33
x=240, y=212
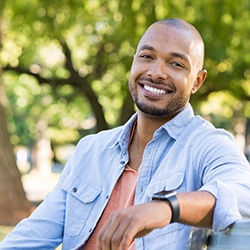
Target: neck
x=147, y=125
x=143, y=134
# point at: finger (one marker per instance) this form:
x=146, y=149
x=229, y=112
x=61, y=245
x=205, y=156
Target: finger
x=106, y=232
x=122, y=237
x=128, y=236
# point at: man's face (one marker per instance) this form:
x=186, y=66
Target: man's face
x=164, y=71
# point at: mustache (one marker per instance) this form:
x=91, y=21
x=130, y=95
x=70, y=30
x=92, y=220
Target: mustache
x=148, y=79
x=151, y=80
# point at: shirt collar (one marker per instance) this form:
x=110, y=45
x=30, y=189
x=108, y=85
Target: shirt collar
x=173, y=127
x=124, y=138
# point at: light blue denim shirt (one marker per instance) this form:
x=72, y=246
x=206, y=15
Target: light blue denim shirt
x=186, y=154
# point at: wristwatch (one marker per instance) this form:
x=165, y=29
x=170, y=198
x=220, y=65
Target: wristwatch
x=170, y=197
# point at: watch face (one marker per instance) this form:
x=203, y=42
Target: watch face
x=164, y=194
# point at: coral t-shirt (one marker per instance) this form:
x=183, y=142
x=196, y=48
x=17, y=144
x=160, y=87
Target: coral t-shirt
x=122, y=196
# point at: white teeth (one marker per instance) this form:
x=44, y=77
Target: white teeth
x=154, y=90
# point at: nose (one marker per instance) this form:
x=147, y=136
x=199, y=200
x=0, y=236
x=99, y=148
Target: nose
x=158, y=70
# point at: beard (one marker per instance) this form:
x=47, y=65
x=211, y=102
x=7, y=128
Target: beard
x=175, y=106
x=169, y=110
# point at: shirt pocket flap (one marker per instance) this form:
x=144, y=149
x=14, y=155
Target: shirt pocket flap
x=83, y=190
x=171, y=182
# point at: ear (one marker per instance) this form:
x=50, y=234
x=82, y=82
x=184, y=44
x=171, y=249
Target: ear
x=200, y=78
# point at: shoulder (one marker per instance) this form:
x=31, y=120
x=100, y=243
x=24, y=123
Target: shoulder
x=110, y=137
x=207, y=140
x=202, y=129
x=105, y=137
x=93, y=150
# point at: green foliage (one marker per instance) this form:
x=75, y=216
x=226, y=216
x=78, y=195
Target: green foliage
x=102, y=36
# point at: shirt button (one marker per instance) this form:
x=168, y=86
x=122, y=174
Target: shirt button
x=122, y=162
x=107, y=196
x=74, y=189
x=90, y=230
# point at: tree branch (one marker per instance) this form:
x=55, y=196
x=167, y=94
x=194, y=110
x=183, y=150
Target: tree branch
x=40, y=79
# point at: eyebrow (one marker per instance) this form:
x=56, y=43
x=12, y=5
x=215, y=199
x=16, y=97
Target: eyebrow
x=180, y=55
x=146, y=47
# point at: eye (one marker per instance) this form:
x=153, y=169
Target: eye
x=176, y=64
x=146, y=56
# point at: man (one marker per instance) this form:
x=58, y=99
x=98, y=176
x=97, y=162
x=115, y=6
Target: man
x=108, y=195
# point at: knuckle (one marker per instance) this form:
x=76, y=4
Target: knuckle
x=105, y=240
x=115, y=241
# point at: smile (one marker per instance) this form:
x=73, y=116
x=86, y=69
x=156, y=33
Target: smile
x=154, y=90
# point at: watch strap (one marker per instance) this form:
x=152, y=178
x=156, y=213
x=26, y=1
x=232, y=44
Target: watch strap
x=175, y=208
x=173, y=202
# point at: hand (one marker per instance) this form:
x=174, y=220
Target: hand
x=136, y=221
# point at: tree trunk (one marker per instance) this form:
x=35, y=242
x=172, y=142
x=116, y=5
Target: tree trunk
x=14, y=205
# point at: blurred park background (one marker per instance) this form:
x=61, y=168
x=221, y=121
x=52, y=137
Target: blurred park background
x=64, y=67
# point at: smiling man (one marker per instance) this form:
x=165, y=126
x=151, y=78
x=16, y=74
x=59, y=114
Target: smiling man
x=144, y=185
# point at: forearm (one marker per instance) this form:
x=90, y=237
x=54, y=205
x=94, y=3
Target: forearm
x=196, y=208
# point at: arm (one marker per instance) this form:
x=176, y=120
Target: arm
x=196, y=209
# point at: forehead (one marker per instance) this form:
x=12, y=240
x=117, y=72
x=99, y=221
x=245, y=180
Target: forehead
x=168, y=39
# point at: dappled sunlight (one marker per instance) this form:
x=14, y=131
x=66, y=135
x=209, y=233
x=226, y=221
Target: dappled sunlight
x=246, y=86
x=52, y=55
x=37, y=185
x=220, y=103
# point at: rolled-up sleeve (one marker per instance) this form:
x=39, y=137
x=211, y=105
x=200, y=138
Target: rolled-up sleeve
x=226, y=210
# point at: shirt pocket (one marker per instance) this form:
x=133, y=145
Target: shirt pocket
x=174, y=181
x=81, y=196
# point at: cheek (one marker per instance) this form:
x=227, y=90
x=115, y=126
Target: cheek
x=184, y=82
x=181, y=82
x=138, y=68
x=135, y=70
